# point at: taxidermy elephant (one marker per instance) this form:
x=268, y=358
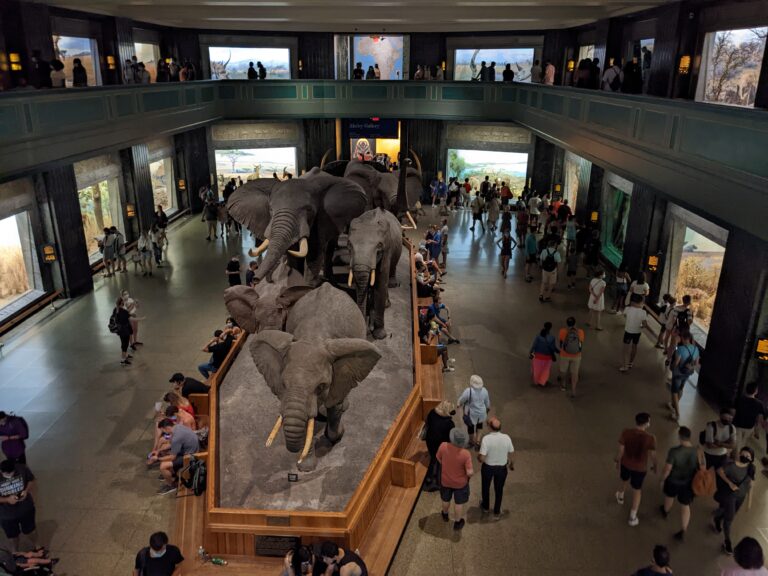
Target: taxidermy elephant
x=265, y=306
x=375, y=244
x=313, y=366
x=310, y=211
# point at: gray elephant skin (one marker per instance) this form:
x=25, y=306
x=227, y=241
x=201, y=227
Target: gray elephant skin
x=381, y=187
x=375, y=245
x=310, y=211
x=314, y=364
x=265, y=306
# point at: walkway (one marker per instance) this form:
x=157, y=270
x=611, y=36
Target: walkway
x=91, y=425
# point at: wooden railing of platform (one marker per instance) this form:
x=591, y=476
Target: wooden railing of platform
x=372, y=521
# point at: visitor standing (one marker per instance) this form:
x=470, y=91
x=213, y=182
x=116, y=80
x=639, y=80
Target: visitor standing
x=233, y=271
x=156, y=237
x=121, y=264
x=475, y=404
x=493, y=213
x=144, y=246
x=439, y=424
x=13, y=432
x=665, y=311
x=636, y=319
x=622, y=289
x=543, y=353
x=120, y=324
x=683, y=461
x=660, y=563
x=159, y=558
x=358, y=73
x=521, y=223
x=262, y=71
x=142, y=76
x=508, y=75
x=734, y=486
x=596, y=300
x=505, y=243
x=444, y=244
x=571, y=341
x=748, y=555
x=639, y=287
x=478, y=204
x=370, y=74
x=79, y=75
x=531, y=253
x=549, y=73
x=612, y=78
x=17, y=505
x=680, y=322
x=750, y=414
x=132, y=307
x=211, y=215
x=684, y=363
x=536, y=72
x=455, y=472
x=252, y=74
x=719, y=439
x=496, y=456
x=636, y=449
x=376, y=72
x=550, y=259
x=108, y=252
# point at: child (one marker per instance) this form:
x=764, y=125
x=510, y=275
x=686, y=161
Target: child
x=622, y=287
x=572, y=265
x=505, y=243
x=665, y=311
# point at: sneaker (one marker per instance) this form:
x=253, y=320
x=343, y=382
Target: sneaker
x=445, y=516
x=623, y=369
x=633, y=521
x=165, y=489
x=459, y=525
x=125, y=363
x=680, y=536
x=496, y=517
x=664, y=513
x=620, y=498
x=717, y=525
x=449, y=369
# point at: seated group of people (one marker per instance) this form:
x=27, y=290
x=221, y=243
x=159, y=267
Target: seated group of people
x=429, y=275
x=219, y=347
x=329, y=560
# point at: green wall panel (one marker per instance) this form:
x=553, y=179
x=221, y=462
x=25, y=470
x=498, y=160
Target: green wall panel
x=735, y=146
x=11, y=124
x=462, y=93
x=613, y=116
x=125, y=104
x=207, y=94
x=70, y=112
x=552, y=103
x=653, y=128
x=323, y=91
x=369, y=92
x=415, y=92
x=190, y=97
x=154, y=101
x=275, y=92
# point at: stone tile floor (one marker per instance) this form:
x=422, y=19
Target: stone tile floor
x=90, y=422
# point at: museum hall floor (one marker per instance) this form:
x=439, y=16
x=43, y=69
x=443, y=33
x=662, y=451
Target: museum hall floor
x=91, y=424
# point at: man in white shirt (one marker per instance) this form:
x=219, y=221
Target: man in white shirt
x=636, y=319
x=496, y=454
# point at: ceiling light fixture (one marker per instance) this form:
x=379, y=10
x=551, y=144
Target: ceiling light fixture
x=247, y=19
x=255, y=4
x=491, y=20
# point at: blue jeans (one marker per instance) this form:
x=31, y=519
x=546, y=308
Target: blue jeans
x=206, y=369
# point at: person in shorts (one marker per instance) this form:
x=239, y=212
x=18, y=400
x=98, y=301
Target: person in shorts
x=455, y=472
x=636, y=448
x=571, y=341
x=636, y=319
x=531, y=245
x=17, y=507
x=183, y=441
x=683, y=461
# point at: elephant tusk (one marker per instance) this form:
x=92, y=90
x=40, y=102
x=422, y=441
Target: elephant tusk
x=373, y=277
x=308, y=441
x=349, y=281
x=261, y=248
x=303, y=249
x=413, y=222
x=275, y=430
x=416, y=159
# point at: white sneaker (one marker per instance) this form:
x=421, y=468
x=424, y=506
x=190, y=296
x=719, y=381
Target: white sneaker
x=633, y=521
x=620, y=498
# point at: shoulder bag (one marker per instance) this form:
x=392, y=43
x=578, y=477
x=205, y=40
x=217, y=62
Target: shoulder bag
x=467, y=418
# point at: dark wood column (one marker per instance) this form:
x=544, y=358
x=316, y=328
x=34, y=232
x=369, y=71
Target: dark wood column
x=316, y=55
x=138, y=183
x=734, y=318
x=63, y=224
x=644, y=226
x=425, y=138
x=320, y=136
x=595, y=191
x=761, y=98
x=665, y=51
x=543, y=163
x=193, y=166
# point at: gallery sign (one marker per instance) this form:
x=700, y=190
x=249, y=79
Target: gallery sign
x=49, y=253
x=372, y=128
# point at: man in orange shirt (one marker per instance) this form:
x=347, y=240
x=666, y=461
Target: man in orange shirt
x=455, y=472
x=571, y=341
x=506, y=194
x=636, y=448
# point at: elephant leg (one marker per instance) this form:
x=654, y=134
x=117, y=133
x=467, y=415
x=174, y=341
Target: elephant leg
x=334, y=429
x=380, y=302
x=309, y=463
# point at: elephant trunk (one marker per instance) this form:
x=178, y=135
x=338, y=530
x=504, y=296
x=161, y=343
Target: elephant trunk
x=295, y=419
x=282, y=230
x=362, y=276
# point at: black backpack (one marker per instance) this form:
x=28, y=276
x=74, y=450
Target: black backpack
x=682, y=320
x=113, y=325
x=616, y=82
x=195, y=477
x=549, y=264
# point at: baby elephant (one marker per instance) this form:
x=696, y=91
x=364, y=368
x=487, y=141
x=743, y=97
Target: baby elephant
x=375, y=245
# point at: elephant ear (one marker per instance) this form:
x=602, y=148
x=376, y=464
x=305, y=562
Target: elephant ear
x=352, y=360
x=292, y=294
x=249, y=205
x=343, y=201
x=268, y=350
x=240, y=301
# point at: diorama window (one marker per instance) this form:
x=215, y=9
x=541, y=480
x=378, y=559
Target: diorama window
x=615, y=218
x=69, y=48
x=163, y=189
x=149, y=54
x=232, y=62
x=253, y=163
x=99, y=209
x=508, y=167
x=384, y=51
x=730, y=66
x=19, y=267
x=468, y=62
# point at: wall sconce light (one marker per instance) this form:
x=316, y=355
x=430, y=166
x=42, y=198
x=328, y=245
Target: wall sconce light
x=301, y=65
x=685, y=65
x=15, y=59
x=442, y=65
x=111, y=62
x=167, y=60
x=130, y=210
x=593, y=217
x=3, y=62
x=653, y=263
x=571, y=65
x=558, y=187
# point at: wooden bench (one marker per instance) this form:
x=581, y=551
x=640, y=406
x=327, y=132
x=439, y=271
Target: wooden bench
x=431, y=370
x=424, y=302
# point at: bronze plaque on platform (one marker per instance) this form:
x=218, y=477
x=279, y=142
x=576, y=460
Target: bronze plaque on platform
x=275, y=545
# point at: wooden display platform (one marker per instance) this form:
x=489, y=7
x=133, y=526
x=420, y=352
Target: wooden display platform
x=373, y=520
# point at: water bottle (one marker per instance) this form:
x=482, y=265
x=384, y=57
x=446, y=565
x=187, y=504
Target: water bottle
x=218, y=561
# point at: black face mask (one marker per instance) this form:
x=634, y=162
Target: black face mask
x=745, y=459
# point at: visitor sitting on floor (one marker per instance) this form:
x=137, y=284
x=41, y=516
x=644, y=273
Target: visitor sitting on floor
x=183, y=441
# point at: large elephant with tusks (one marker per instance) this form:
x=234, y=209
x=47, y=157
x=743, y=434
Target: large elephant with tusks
x=313, y=365
x=375, y=245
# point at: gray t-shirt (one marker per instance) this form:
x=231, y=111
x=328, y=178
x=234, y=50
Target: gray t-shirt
x=183, y=441
x=718, y=432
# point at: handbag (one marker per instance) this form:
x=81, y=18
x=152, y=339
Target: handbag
x=703, y=483
x=466, y=417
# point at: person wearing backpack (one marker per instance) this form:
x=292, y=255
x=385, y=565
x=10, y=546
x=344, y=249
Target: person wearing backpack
x=571, y=341
x=612, y=78
x=120, y=324
x=684, y=363
x=159, y=558
x=718, y=439
x=680, y=321
x=549, y=258
x=13, y=431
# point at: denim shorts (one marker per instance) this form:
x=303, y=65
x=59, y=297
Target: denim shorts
x=459, y=495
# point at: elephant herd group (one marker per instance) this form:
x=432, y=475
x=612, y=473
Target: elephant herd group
x=310, y=337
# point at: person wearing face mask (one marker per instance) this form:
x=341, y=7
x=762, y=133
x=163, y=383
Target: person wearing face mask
x=718, y=439
x=17, y=507
x=734, y=485
x=660, y=564
x=159, y=558
x=302, y=561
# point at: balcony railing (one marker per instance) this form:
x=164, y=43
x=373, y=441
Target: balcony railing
x=696, y=153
